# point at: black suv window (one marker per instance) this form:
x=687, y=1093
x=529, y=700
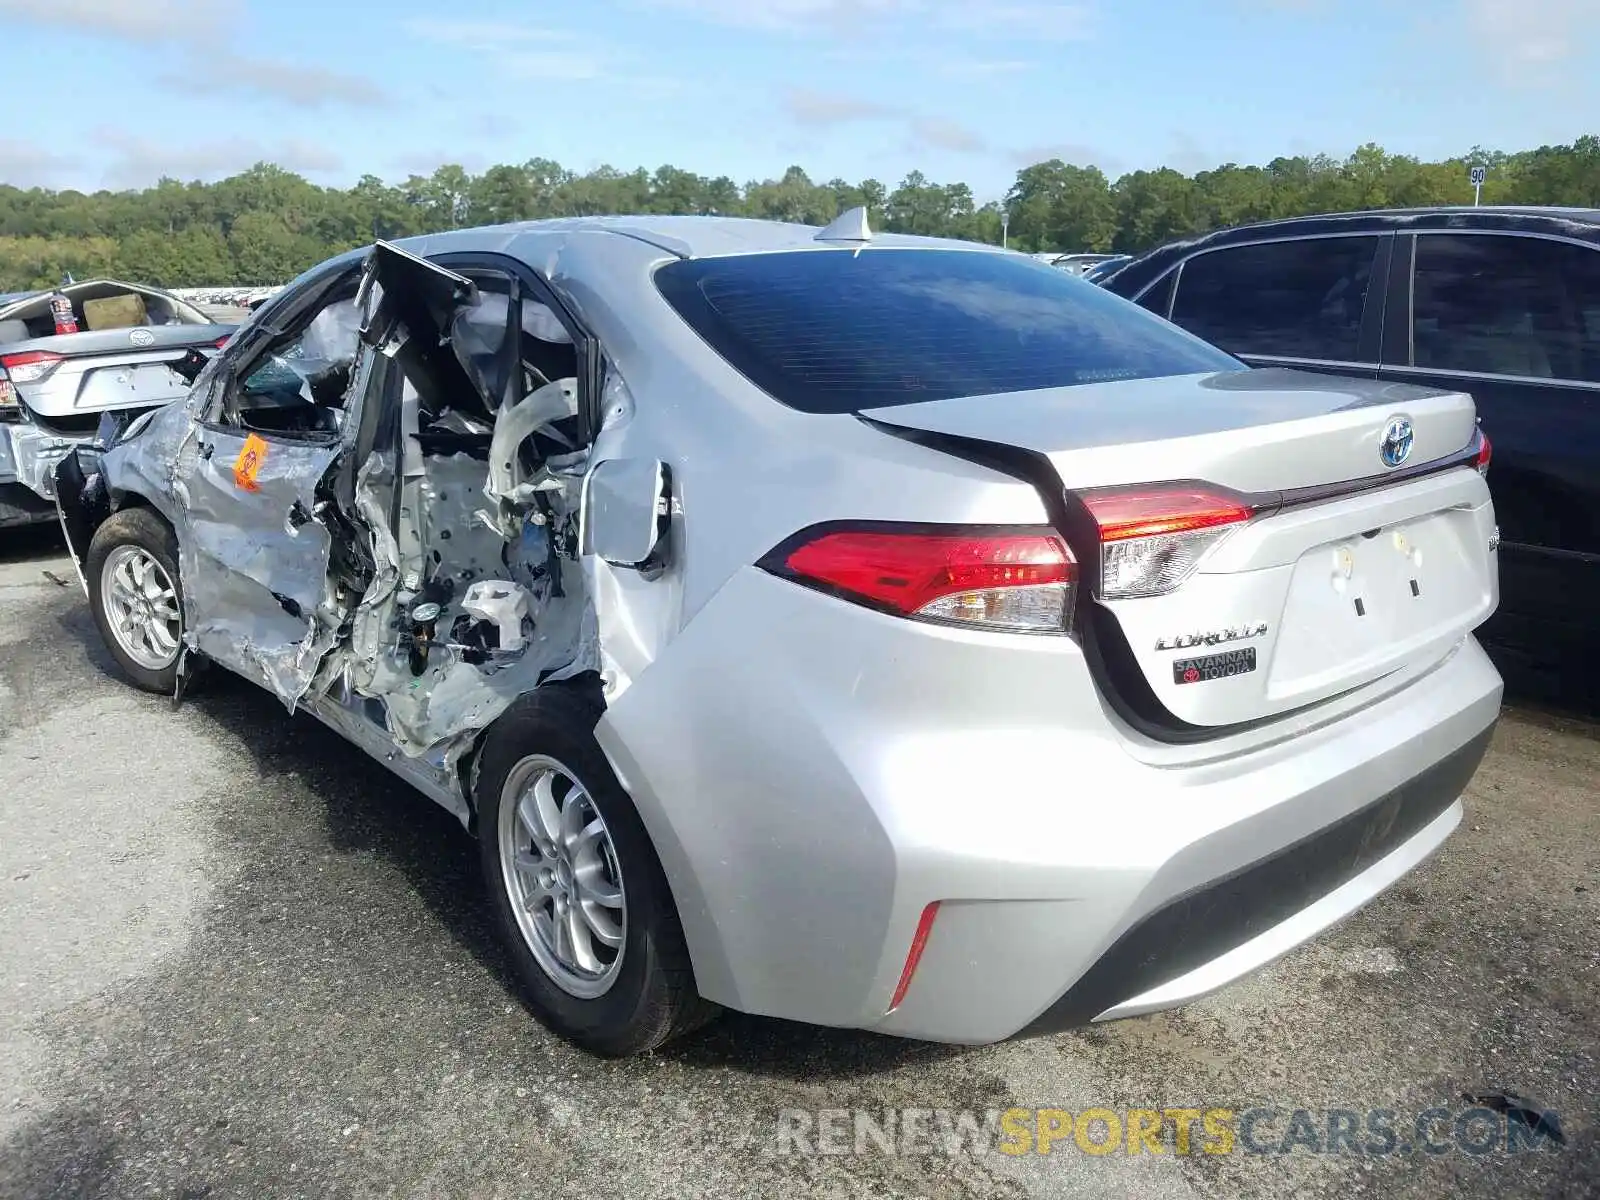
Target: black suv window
x=835, y=331
x=1507, y=305
x=1300, y=299
x=1159, y=298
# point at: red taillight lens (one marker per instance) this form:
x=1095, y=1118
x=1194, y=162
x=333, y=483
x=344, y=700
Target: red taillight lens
x=30, y=366
x=1163, y=512
x=1485, y=453
x=1012, y=579
x=222, y=341
x=1152, y=539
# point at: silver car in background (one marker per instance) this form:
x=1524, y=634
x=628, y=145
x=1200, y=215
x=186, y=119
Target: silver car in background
x=55, y=388
x=871, y=631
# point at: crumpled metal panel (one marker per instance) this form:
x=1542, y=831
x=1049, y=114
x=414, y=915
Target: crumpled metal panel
x=29, y=454
x=256, y=583
x=258, y=596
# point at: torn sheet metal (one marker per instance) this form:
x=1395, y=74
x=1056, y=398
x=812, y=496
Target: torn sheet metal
x=510, y=490
x=255, y=565
x=29, y=454
x=483, y=540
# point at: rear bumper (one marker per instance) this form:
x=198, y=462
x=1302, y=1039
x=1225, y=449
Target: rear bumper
x=814, y=776
x=1200, y=942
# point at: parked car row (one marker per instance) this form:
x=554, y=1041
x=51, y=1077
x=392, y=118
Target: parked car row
x=69, y=356
x=872, y=631
x=1500, y=303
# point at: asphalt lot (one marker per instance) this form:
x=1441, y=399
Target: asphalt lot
x=238, y=959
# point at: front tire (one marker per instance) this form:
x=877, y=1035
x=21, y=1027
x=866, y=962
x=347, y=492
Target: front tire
x=135, y=594
x=579, y=895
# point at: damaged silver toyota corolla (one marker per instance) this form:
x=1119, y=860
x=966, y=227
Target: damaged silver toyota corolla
x=870, y=631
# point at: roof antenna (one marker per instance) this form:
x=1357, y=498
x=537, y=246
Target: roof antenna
x=848, y=226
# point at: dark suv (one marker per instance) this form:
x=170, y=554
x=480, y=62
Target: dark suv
x=1503, y=303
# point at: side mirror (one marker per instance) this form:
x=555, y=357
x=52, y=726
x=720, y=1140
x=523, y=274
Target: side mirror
x=627, y=510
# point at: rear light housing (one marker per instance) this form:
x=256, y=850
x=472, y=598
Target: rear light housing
x=1485, y=453
x=1153, y=538
x=1010, y=579
x=30, y=366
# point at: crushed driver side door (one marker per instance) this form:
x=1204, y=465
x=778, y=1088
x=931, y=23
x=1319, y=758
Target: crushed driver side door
x=255, y=557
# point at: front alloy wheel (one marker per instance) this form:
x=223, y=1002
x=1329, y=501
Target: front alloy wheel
x=141, y=607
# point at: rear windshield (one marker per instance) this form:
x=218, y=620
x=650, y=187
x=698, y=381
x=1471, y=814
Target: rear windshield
x=834, y=331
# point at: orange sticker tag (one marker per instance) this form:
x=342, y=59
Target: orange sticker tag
x=248, y=465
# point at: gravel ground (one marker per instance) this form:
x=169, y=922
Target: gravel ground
x=238, y=959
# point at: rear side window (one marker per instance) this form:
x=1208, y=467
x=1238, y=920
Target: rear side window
x=1506, y=305
x=1159, y=298
x=1301, y=299
x=834, y=331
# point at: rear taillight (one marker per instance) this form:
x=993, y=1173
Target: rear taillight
x=222, y=341
x=1485, y=453
x=1017, y=579
x=1151, y=539
x=30, y=366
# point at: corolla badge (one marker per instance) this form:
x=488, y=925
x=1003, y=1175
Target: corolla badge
x=1213, y=637
x=1396, y=445
x=141, y=337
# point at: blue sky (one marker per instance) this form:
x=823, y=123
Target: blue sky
x=123, y=91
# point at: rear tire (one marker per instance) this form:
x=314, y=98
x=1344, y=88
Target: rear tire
x=579, y=895
x=136, y=596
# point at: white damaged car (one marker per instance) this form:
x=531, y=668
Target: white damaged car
x=871, y=631
x=127, y=348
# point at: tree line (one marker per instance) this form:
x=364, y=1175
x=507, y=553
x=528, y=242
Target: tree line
x=267, y=224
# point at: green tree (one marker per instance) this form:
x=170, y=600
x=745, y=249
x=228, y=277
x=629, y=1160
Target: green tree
x=267, y=224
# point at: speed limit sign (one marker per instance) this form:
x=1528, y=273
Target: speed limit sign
x=1479, y=174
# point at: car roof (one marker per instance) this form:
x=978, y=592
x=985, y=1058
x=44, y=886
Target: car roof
x=686, y=237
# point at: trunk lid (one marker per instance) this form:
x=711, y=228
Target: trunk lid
x=1349, y=568
x=96, y=371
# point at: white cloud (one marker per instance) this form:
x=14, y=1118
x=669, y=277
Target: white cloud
x=487, y=37
x=947, y=135
x=135, y=161
x=1075, y=153
x=535, y=52
x=298, y=84
x=1041, y=21
x=832, y=108
x=787, y=15
x=1050, y=20
x=28, y=164
x=149, y=21
x=1527, y=38
x=828, y=109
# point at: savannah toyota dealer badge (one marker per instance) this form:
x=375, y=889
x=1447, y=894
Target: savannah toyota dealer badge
x=1214, y=666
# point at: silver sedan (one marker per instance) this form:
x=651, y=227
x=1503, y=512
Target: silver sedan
x=866, y=630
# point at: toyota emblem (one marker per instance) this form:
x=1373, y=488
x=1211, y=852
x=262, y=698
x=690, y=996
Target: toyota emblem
x=1396, y=445
x=141, y=337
